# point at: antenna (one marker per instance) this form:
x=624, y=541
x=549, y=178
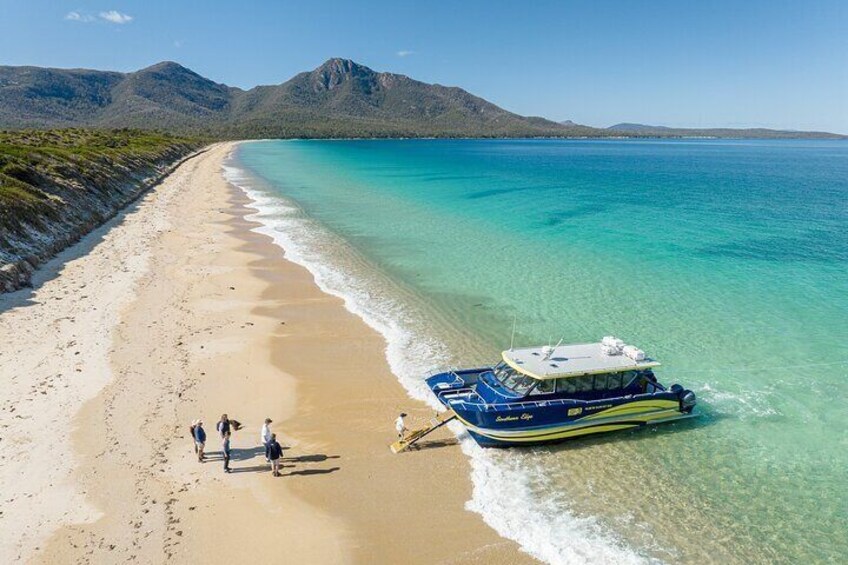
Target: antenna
x=550, y=350
x=512, y=339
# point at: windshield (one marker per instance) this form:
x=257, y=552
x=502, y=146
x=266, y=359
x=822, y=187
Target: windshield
x=513, y=380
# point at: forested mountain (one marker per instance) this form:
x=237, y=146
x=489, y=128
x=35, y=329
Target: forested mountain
x=338, y=99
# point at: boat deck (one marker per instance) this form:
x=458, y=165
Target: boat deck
x=571, y=360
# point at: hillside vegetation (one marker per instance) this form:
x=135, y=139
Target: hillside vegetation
x=340, y=98
x=56, y=185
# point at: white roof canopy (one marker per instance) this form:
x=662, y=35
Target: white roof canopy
x=571, y=361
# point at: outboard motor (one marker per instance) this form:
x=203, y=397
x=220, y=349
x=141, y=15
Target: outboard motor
x=686, y=397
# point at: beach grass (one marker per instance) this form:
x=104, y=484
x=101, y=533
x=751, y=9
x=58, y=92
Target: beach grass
x=41, y=169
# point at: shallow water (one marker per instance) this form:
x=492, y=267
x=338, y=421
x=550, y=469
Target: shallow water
x=724, y=259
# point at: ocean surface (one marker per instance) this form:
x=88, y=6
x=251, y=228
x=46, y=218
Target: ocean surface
x=726, y=260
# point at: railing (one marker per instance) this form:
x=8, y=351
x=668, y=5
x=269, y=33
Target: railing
x=485, y=407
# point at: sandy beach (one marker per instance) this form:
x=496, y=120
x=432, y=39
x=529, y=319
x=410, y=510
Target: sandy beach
x=176, y=310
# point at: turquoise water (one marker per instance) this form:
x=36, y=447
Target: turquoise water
x=727, y=260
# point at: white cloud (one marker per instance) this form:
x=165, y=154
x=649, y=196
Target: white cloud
x=77, y=17
x=115, y=17
x=178, y=43
x=405, y=53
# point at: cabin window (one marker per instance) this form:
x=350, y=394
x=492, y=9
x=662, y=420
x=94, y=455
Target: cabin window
x=502, y=371
x=524, y=384
x=544, y=387
x=614, y=381
x=511, y=378
x=515, y=381
x=584, y=383
x=601, y=381
x=628, y=377
x=566, y=385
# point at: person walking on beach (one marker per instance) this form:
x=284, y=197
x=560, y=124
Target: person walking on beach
x=275, y=454
x=265, y=437
x=223, y=425
x=191, y=433
x=200, y=439
x=225, y=449
x=400, y=425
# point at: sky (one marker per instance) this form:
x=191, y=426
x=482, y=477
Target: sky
x=706, y=63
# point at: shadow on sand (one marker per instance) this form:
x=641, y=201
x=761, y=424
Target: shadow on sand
x=433, y=444
x=306, y=472
x=253, y=453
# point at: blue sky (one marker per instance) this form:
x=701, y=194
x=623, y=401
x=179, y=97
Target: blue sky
x=678, y=63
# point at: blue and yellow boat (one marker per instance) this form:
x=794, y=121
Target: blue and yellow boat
x=547, y=394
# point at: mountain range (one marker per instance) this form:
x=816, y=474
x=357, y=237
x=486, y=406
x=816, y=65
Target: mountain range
x=340, y=98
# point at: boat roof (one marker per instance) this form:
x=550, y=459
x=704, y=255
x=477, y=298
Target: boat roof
x=571, y=361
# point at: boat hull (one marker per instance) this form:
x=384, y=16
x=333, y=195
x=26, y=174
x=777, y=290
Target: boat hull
x=524, y=423
x=487, y=437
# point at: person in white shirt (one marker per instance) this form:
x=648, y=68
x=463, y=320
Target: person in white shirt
x=265, y=437
x=400, y=426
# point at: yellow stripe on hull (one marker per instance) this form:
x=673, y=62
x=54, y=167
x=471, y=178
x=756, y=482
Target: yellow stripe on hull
x=634, y=408
x=586, y=430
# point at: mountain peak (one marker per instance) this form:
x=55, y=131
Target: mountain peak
x=165, y=66
x=337, y=71
x=340, y=65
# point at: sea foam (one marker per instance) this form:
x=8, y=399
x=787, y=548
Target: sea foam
x=502, y=481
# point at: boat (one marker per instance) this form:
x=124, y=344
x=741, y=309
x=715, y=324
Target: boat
x=545, y=394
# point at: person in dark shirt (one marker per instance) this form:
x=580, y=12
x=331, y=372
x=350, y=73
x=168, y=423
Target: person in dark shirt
x=275, y=454
x=225, y=448
x=223, y=425
x=200, y=439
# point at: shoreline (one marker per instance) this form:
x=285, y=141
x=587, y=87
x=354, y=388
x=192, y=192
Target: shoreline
x=193, y=340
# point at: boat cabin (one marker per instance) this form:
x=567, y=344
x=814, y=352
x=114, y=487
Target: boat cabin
x=588, y=371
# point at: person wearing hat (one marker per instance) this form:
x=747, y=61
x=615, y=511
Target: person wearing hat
x=400, y=425
x=265, y=437
x=200, y=439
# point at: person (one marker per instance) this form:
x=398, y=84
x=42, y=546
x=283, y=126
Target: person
x=200, y=439
x=225, y=448
x=191, y=433
x=265, y=437
x=223, y=425
x=275, y=453
x=400, y=425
